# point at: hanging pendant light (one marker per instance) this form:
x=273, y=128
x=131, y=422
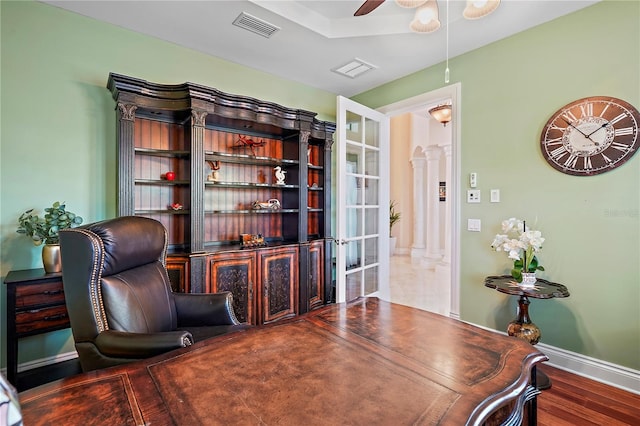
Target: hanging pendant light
x=442, y=113
x=426, y=19
x=476, y=9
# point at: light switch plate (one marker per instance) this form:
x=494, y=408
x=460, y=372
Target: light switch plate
x=495, y=195
x=474, y=225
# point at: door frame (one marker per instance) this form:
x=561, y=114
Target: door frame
x=452, y=92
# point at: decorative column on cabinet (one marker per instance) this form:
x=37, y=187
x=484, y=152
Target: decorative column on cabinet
x=303, y=218
x=198, y=263
x=329, y=239
x=126, y=114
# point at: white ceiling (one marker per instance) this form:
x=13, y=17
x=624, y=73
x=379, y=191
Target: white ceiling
x=318, y=36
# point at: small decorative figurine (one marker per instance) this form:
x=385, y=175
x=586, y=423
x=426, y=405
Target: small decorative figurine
x=309, y=156
x=246, y=141
x=271, y=204
x=170, y=176
x=176, y=206
x=279, y=175
x=215, y=174
x=252, y=240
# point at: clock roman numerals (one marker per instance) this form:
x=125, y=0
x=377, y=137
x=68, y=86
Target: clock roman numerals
x=623, y=131
x=570, y=118
x=586, y=110
x=618, y=118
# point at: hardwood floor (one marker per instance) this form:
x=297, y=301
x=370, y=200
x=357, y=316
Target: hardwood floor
x=576, y=400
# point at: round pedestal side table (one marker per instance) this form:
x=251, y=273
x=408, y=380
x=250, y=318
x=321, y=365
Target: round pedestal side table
x=522, y=327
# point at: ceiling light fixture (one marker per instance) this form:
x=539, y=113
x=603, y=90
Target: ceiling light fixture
x=426, y=19
x=442, y=113
x=478, y=8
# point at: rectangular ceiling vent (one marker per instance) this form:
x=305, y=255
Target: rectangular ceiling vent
x=255, y=25
x=353, y=69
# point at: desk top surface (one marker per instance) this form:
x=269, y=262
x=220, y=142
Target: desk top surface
x=366, y=362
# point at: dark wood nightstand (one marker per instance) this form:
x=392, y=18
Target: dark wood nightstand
x=35, y=305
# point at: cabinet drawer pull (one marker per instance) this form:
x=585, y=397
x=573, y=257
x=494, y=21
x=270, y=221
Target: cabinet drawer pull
x=55, y=317
x=52, y=292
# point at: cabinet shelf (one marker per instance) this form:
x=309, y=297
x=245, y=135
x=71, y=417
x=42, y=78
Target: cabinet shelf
x=163, y=152
x=250, y=185
x=249, y=159
x=249, y=211
x=160, y=182
x=162, y=211
x=315, y=188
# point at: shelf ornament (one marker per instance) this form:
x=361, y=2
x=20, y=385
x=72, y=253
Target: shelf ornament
x=244, y=141
x=280, y=174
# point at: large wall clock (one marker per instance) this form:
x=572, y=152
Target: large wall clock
x=591, y=136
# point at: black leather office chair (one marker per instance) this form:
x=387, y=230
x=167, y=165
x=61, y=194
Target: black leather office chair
x=119, y=298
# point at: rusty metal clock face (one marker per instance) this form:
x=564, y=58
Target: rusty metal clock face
x=591, y=136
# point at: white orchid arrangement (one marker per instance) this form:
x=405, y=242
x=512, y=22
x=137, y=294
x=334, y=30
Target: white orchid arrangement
x=521, y=245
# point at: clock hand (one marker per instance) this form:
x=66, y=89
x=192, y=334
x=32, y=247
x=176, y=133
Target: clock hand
x=581, y=132
x=603, y=125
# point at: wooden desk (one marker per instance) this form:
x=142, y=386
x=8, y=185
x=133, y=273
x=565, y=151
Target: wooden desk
x=35, y=305
x=365, y=363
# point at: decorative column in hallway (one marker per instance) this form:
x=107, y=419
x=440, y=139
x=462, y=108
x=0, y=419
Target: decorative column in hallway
x=418, y=246
x=432, y=256
x=447, y=215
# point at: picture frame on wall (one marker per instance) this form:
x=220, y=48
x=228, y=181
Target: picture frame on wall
x=442, y=191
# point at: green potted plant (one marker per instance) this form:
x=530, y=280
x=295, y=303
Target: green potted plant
x=44, y=230
x=394, y=217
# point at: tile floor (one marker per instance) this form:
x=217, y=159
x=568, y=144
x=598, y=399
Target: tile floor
x=413, y=284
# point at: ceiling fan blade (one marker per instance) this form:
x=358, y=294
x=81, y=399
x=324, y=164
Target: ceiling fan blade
x=367, y=7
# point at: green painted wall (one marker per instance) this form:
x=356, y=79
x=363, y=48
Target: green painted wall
x=592, y=224
x=58, y=120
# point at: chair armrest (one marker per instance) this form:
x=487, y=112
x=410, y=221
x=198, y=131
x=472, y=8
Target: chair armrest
x=205, y=309
x=122, y=344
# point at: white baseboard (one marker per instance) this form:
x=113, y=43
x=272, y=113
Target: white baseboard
x=44, y=362
x=592, y=368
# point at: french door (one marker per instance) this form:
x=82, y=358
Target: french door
x=362, y=258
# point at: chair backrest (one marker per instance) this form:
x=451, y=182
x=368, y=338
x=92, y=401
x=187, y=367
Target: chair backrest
x=114, y=277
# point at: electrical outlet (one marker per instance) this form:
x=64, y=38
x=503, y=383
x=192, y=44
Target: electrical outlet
x=473, y=196
x=473, y=180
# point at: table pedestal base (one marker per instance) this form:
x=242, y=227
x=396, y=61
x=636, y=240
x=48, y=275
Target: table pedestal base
x=524, y=329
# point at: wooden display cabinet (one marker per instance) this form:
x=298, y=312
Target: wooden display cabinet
x=224, y=151
x=263, y=282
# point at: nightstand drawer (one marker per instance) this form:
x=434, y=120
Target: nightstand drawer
x=39, y=294
x=38, y=320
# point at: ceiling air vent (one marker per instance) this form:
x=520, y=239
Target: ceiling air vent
x=255, y=25
x=354, y=68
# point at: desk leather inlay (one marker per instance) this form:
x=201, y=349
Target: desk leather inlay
x=109, y=401
x=320, y=379
x=438, y=348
